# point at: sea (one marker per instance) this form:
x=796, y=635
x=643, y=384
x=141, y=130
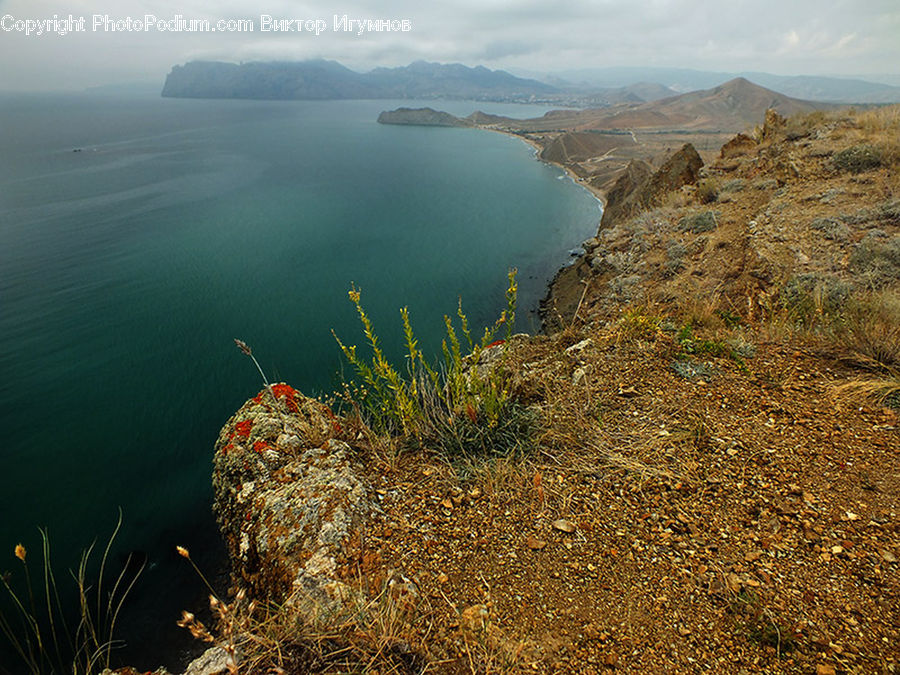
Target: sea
x=140, y=235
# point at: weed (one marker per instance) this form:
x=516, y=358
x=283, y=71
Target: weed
x=877, y=261
x=708, y=190
x=831, y=228
x=462, y=406
x=759, y=625
x=705, y=221
x=689, y=369
x=729, y=318
x=734, y=185
x=882, y=390
x=361, y=634
x=810, y=298
x=47, y=642
x=858, y=158
x=870, y=332
x=636, y=322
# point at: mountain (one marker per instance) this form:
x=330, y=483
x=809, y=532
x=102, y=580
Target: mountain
x=320, y=80
x=640, y=92
x=735, y=105
x=830, y=89
x=730, y=107
x=425, y=80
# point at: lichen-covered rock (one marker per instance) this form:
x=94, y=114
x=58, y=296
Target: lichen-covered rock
x=289, y=499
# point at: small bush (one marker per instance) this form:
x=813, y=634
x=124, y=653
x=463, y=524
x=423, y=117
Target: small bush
x=890, y=211
x=858, y=158
x=734, y=185
x=708, y=190
x=831, y=228
x=462, y=406
x=810, y=297
x=877, y=261
x=871, y=331
x=689, y=369
x=698, y=222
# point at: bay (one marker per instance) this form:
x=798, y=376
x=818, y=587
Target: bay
x=139, y=235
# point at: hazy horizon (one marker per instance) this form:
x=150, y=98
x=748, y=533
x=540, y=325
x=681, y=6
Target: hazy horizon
x=527, y=38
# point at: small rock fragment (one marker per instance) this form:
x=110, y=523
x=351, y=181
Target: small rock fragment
x=535, y=544
x=578, y=346
x=563, y=525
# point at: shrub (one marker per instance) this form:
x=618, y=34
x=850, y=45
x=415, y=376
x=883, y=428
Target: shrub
x=831, y=228
x=810, y=297
x=858, y=158
x=734, y=185
x=698, y=222
x=877, y=261
x=689, y=369
x=871, y=331
x=708, y=190
x=462, y=406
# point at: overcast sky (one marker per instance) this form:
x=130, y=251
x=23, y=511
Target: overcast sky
x=787, y=37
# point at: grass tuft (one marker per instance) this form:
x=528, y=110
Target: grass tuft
x=462, y=406
x=40, y=631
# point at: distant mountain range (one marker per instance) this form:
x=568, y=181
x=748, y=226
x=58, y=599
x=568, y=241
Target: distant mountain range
x=734, y=106
x=324, y=80
x=813, y=88
x=587, y=88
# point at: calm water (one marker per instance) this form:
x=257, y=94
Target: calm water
x=126, y=269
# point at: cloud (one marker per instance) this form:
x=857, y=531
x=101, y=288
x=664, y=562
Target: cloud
x=797, y=37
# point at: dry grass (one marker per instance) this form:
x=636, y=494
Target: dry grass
x=870, y=335
x=882, y=390
x=882, y=127
x=880, y=120
x=360, y=635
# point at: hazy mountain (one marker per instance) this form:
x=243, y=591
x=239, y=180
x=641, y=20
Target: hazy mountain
x=734, y=106
x=639, y=92
x=831, y=89
x=322, y=79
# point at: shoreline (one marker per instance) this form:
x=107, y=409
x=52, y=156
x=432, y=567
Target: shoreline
x=548, y=302
x=597, y=193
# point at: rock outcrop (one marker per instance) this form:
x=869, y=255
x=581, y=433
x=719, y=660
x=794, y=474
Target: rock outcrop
x=637, y=189
x=289, y=499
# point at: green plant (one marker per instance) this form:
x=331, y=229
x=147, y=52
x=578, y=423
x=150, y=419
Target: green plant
x=877, y=260
x=858, y=158
x=46, y=642
x=870, y=331
x=760, y=625
x=697, y=223
x=708, y=190
x=809, y=299
x=460, y=406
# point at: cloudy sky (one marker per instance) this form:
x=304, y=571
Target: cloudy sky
x=787, y=37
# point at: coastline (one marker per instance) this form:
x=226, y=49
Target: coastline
x=565, y=288
x=597, y=193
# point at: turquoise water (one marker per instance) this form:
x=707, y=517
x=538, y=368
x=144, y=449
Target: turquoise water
x=127, y=267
